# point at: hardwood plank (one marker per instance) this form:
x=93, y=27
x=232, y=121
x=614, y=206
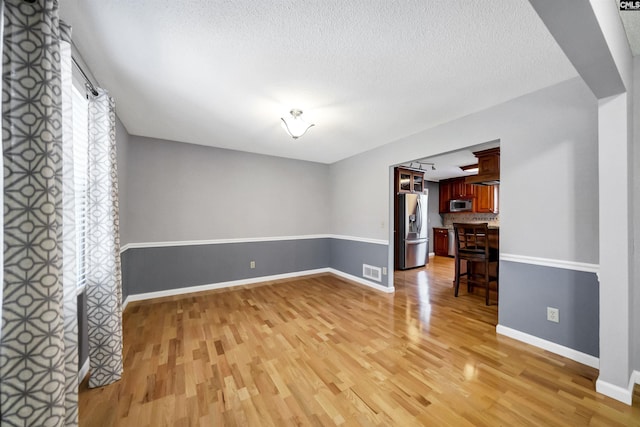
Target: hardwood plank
x=321, y=350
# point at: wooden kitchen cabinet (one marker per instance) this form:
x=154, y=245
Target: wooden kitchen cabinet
x=453, y=189
x=462, y=190
x=409, y=181
x=445, y=196
x=486, y=199
x=441, y=241
x=459, y=189
x=489, y=161
x=417, y=182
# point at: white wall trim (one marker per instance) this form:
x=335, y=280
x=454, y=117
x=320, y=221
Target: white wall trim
x=84, y=370
x=548, y=262
x=569, y=353
x=358, y=239
x=229, y=284
x=219, y=285
x=376, y=286
x=218, y=241
x=247, y=240
x=621, y=394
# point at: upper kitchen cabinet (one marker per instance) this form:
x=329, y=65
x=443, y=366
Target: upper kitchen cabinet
x=486, y=199
x=409, y=181
x=445, y=196
x=488, y=168
x=461, y=190
x=454, y=189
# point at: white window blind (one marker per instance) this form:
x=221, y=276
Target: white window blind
x=81, y=178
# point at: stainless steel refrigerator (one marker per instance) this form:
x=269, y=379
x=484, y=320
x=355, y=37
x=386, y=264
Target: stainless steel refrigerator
x=413, y=237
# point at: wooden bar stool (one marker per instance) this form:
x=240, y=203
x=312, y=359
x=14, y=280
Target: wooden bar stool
x=472, y=246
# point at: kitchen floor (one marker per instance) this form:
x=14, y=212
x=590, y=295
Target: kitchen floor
x=434, y=283
x=438, y=274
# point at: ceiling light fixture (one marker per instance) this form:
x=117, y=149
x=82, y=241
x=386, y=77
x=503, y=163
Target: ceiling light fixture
x=294, y=125
x=433, y=165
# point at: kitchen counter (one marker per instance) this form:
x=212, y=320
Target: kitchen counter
x=450, y=227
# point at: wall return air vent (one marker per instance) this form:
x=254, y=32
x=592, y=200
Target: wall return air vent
x=371, y=272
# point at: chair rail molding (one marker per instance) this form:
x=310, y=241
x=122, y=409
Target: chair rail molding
x=549, y=262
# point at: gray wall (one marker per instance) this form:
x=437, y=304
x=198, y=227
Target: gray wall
x=185, y=192
x=175, y=192
x=435, y=220
x=549, y=183
x=548, y=204
x=348, y=256
x=164, y=268
x=549, y=169
x=635, y=289
x=155, y=269
x=574, y=293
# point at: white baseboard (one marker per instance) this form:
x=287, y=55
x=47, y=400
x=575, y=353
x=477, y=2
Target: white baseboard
x=84, y=370
x=619, y=393
x=613, y=391
x=567, y=352
x=362, y=281
x=219, y=285
x=253, y=280
x=432, y=254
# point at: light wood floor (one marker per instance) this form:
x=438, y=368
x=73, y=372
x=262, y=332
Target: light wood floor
x=323, y=351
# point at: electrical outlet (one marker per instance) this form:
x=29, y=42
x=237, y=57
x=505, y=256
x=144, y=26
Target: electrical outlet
x=553, y=314
x=384, y=270
x=252, y=264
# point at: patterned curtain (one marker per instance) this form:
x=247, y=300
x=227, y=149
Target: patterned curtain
x=68, y=237
x=104, y=280
x=38, y=344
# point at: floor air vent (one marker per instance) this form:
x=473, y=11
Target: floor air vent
x=371, y=272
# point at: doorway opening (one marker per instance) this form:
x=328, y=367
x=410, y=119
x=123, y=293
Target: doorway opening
x=444, y=185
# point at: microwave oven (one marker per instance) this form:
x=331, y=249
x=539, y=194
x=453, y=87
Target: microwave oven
x=463, y=205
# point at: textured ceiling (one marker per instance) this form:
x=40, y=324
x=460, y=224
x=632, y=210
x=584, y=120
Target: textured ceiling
x=366, y=72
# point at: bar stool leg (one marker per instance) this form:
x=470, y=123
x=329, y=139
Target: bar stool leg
x=457, y=276
x=497, y=280
x=486, y=282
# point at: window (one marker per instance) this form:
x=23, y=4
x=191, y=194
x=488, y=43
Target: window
x=81, y=179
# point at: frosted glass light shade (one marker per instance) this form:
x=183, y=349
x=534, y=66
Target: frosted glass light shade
x=294, y=125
